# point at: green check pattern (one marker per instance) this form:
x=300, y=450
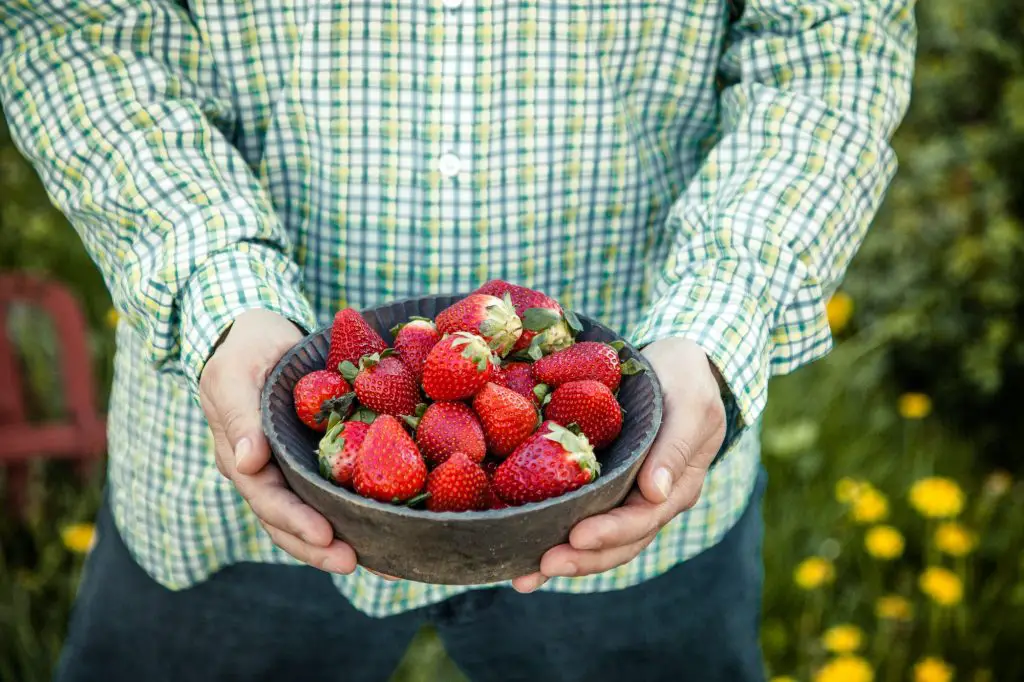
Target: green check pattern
x=649, y=162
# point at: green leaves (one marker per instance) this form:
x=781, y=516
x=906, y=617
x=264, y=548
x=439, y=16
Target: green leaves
x=539, y=319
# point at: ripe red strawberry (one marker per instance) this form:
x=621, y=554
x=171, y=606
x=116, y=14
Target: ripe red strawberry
x=388, y=468
x=519, y=377
x=493, y=318
x=493, y=501
x=457, y=367
x=458, y=484
x=383, y=384
x=585, y=360
x=547, y=329
x=446, y=428
x=552, y=462
x=590, y=405
x=413, y=341
x=318, y=394
x=507, y=417
x=352, y=338
x=339, y=448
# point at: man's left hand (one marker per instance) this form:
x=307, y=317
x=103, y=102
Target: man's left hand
x=670, y=480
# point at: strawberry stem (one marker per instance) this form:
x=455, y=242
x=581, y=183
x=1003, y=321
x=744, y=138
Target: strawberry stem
x=415, y=500
x=348, y=370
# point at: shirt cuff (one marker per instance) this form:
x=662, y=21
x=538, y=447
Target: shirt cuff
x=247, y=277
x=728, y=323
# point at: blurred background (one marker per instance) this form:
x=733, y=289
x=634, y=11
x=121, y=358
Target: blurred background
x=895, y=514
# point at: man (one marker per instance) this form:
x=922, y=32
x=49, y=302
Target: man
x=694, y=173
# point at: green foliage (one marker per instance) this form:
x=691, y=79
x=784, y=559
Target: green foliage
x=939, y=277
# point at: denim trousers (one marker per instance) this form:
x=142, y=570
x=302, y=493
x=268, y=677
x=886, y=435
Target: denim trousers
x=251, y=622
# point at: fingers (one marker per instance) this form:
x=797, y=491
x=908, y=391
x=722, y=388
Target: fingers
x=274, y=503
x=566, y=561
x=528, y=583
x=337, y=557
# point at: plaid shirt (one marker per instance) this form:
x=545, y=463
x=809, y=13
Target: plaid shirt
x=651, y=163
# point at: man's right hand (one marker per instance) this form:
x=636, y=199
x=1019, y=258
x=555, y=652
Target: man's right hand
x=229, y=391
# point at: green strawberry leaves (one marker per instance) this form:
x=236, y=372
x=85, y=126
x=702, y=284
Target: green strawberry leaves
x=631, y=367
x=341, y=406
x=574, y=322
x=348, y=370
x=539, y=319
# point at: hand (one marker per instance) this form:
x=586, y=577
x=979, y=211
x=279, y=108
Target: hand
x=670, y=480
x=229, y=392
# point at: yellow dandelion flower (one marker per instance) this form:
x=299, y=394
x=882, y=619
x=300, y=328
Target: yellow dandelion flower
x=932, y=669
x=937, y=498
x=842, y=639
x=942, y=585
x=883, y=542
x=112, y=318
x=845, y=669
x=78, y=537
x=814, y=572
x=839, y=310
x=893, y=607
x=914, y=406
x=869, y=506
x=955, y=539
x=847, y=489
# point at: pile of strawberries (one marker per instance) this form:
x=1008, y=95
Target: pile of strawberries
x=491, y=404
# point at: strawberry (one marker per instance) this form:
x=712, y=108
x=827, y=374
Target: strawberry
x=493, y=501
x=507, y=417
x=546, y=327
x=318, y=394
x=352, y=338
x=493, y=318
x=413, y=341
x=457, y=484
x=339, y=448
x=383, y=384
x=552, y=462
x=585, y=360
x=519, y=377
x=388, y=468
x=446, y=428
x=457, y=367
x=590, y=405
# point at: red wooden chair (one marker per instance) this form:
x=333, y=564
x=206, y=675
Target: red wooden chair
x=81, y=435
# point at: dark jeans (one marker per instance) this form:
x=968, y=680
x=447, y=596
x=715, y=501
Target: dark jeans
x=253, y=622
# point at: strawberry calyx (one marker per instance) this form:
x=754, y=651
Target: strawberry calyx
x=476, y=350
x=539, y=319
x=577, y=448
x=413, y=420
x=502, y=326
x=364, y=414
x=341, y=406
x=543, y=393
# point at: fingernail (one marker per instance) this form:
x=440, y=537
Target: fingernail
x=242, y=450
x=663, y=481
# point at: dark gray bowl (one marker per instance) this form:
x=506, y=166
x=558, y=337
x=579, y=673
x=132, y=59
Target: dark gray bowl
x=454, y=548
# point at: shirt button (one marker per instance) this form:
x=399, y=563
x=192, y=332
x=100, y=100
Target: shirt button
x=452, y=4
x=449, y=165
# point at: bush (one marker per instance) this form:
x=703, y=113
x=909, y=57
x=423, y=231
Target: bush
x=938, y=280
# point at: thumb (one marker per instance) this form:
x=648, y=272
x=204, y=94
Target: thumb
x=235, y=396
x=689, y=437
x=671, y=453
